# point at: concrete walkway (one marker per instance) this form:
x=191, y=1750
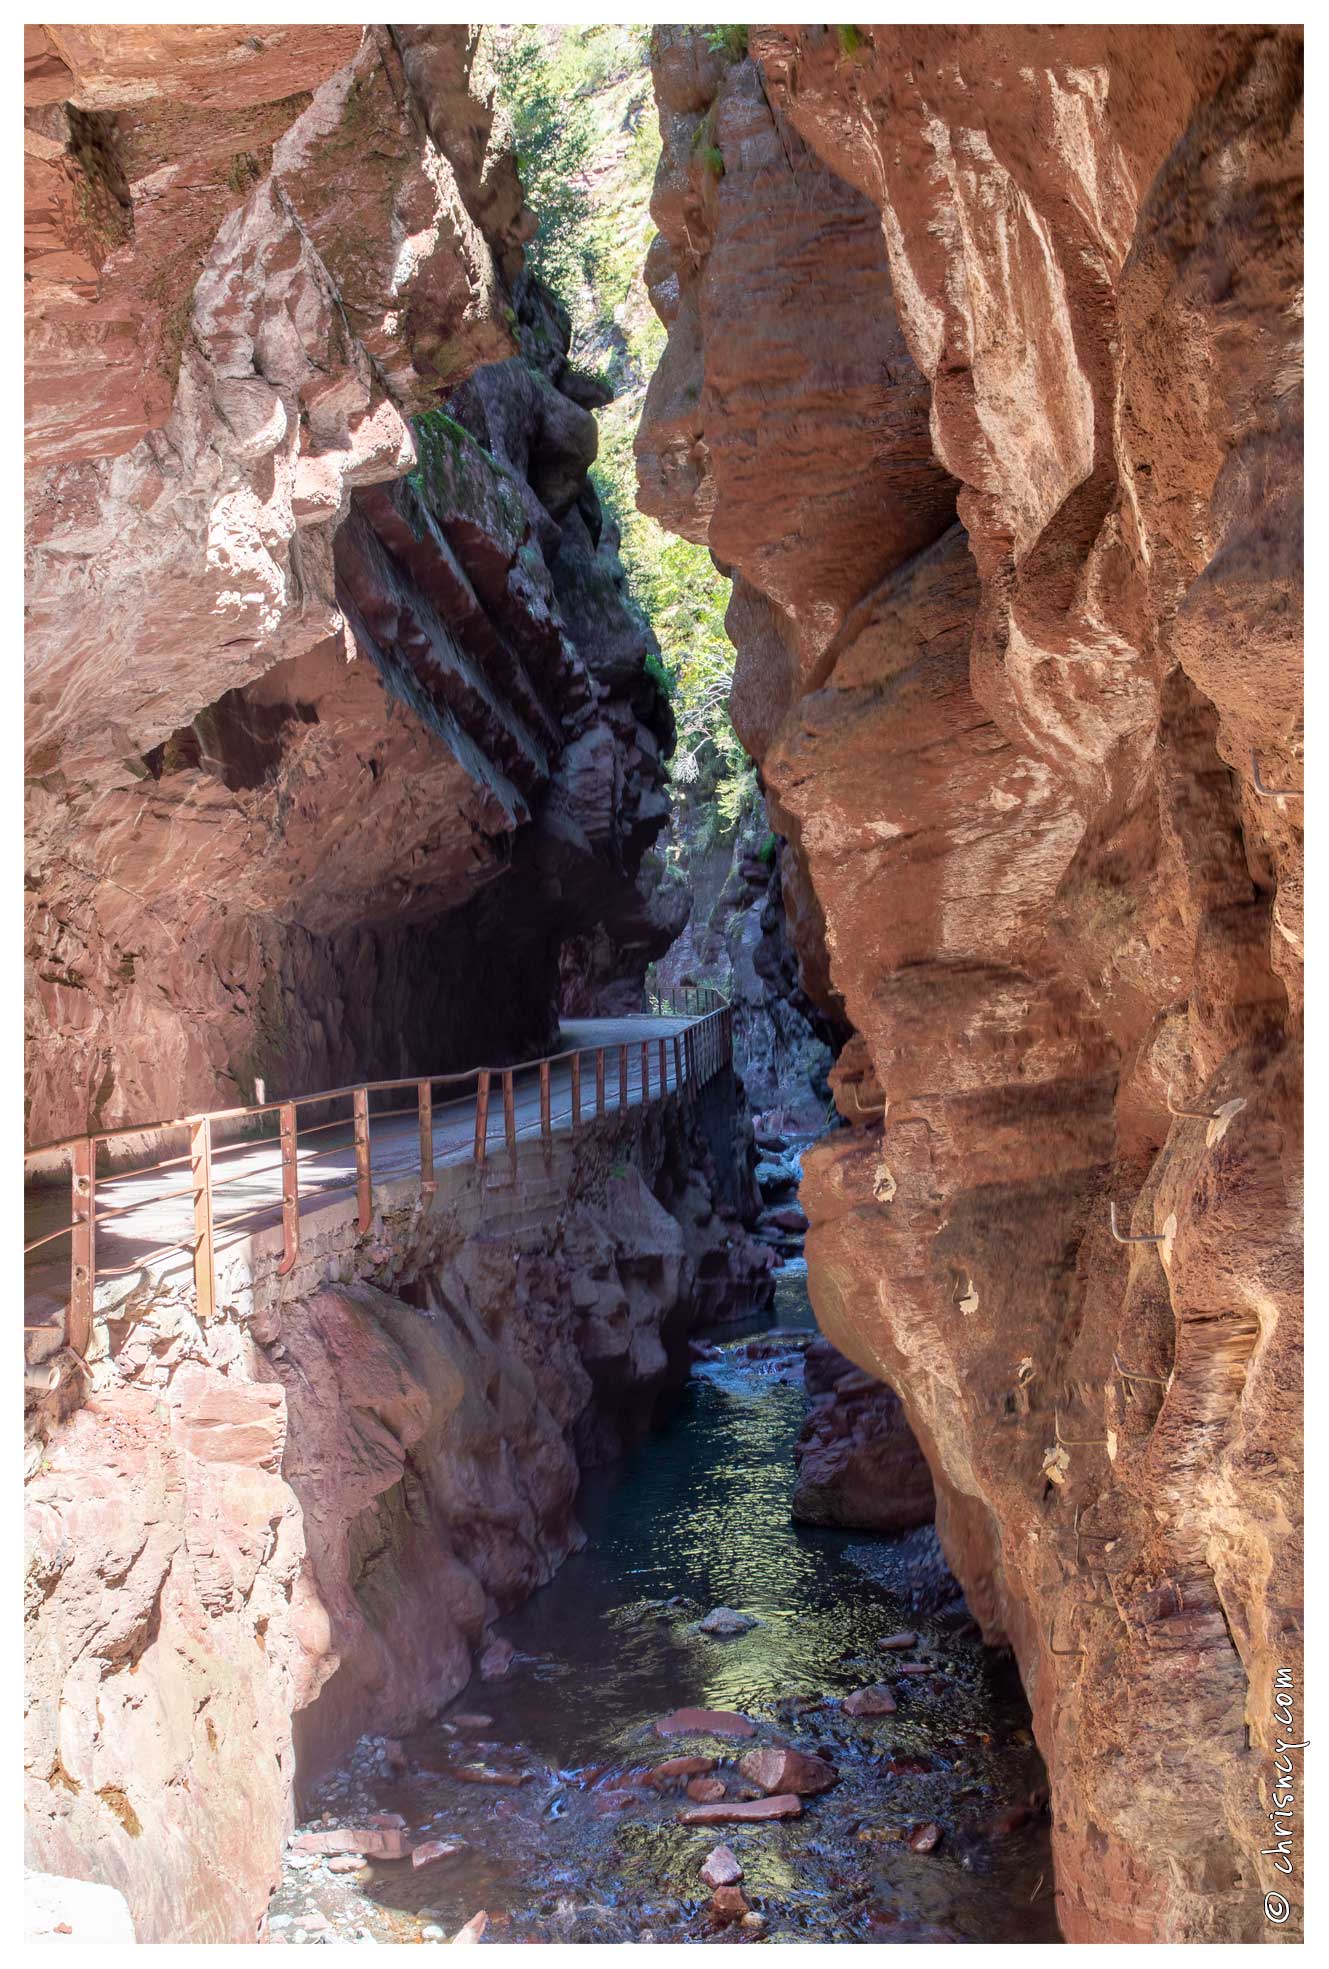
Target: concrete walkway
x=246, y=1176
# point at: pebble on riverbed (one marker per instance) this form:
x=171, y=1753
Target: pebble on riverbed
x=728, y=1904
x=726, y=1621
x=496, y=1660
x=872, y=1701
x=742, y=1811
x=704, y=1723
x=775, y=1769
x=721, y=1868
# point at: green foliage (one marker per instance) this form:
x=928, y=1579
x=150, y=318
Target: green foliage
x=766, y=852
x=731, y=41
x=553, y=139
x=579, y=99
x=850, y=41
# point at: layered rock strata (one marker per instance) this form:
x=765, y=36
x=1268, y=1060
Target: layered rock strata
x=736, y=938
x=858, y=1465
x=337, y=725
x=259, y=1538
x=983, y=378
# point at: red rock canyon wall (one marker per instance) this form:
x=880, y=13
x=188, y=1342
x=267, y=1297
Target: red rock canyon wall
x=983, y=380
x=342, y=758
x=337, y=726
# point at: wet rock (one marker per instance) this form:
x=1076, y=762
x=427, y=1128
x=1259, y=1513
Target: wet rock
x=704, y=1722
x=434, y=1849
x=682, y=1767
x=496, y=1660
x=726, y=1621
x=888, y=1924
x=346, y=1862
x=906, y=1767
x=925, y=1839
x=905, y=1639
x=473, y=1720
x=375, y=1842
x=753, y=1922
x=474, y=1928
x=431, y=1933
x=721, y=1867
x=875, y=1700
x=776, y=1770
x=705, y=1791
x=486, y=1774
x=728, y=1904
x=739, y=1811
x=776, y=1178
x=789, y=1217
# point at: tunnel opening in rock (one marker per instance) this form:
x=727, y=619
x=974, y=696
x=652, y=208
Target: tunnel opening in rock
x=664, y=926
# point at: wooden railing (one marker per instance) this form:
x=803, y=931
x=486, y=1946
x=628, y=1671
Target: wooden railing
x=695, y=1054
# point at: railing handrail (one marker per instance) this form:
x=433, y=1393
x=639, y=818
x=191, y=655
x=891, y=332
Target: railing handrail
x=82, y=1149
x=244, y=1112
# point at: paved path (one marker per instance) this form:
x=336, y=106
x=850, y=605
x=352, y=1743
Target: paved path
x=248, y=1174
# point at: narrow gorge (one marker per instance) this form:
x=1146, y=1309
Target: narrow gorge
x=663, y=937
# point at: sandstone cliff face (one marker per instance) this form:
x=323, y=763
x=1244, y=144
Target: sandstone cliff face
x=983, y=379
x=337, y=727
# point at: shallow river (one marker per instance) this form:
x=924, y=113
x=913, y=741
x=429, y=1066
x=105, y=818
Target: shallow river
x=699, y=1517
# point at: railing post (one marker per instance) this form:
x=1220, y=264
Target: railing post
x=481, y=1117
x=290, y=1190
x=645, y=1071
x=664, y=1068
x=428, y=1186
x=200, y=1170
x=83, y=1244
x=599, y=1081
x=678, y=1063
x=546, y=1124
x=510, y=1116
x=576, y=1091
x=364, y=1184
x=622, y=1077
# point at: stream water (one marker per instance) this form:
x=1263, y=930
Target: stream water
x=584, y=1849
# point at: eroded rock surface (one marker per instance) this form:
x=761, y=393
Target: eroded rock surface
x=858, y=1464
x=257, y=1540
x=338, y=728
x=983, y=380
